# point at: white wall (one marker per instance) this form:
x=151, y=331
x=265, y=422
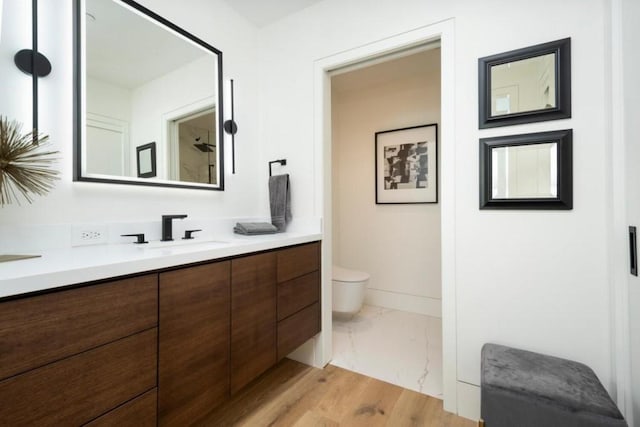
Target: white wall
x=536, y=280
x=214, y=22
x=108, y=100
x=631, y=90
x=398, y=245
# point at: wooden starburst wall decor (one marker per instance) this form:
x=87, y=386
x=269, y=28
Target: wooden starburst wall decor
x=25, y=169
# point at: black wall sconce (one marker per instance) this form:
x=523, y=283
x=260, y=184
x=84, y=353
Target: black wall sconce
x=32, y=62
x=231, y=128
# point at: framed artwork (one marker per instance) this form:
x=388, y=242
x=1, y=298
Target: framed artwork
x=146, y=160
x=407, y=165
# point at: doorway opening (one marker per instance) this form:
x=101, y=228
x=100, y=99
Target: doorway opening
x=321, y=352
x=397, y=244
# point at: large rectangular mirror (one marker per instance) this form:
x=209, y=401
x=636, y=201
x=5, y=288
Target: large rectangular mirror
x=530, y=171
x=142, y=80
x=525, y=85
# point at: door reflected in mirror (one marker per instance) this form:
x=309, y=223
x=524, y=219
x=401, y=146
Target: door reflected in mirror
x=525, y=171
x=145, y=79
x=525, y=85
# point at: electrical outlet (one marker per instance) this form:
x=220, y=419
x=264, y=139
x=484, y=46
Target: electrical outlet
x=88, y=234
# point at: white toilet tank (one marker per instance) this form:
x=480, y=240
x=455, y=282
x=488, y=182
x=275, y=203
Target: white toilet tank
x=349, y=288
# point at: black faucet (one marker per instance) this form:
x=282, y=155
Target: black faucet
x=167, y=230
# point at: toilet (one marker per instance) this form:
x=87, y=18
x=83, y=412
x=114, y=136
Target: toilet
x=349, y=287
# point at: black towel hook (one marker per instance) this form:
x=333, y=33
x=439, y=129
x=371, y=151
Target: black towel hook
x=283, y=162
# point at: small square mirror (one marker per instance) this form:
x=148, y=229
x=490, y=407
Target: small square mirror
x=525, y=85
x=530, y=171
x=146, y=160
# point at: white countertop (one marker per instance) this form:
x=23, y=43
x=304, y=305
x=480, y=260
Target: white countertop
x=73, y=265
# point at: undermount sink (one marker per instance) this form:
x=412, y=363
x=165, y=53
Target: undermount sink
x=158, y=244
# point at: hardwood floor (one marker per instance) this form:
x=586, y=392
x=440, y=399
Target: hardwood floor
x=293, y=394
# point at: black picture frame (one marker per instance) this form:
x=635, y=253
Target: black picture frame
x=141, y=151
x=420, y=186
x=562, y=110
x=564, y=199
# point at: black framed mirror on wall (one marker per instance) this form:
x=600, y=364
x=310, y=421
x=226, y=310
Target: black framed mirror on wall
x=526, y=85
x=146, y=160
x=527, y=171
x=140, y=78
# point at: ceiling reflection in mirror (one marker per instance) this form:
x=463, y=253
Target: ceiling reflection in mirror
x=525, y=85
x=147, y=81
x=524, y=171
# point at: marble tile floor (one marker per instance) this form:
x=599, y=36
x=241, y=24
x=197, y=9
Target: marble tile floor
x=398, y=347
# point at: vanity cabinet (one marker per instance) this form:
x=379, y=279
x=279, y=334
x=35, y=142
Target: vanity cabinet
x=253, y=317
x=163, y=348
x=69, y=357
x=193, y=369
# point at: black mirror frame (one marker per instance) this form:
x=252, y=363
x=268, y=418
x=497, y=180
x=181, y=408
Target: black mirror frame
x=562, y=110
x=77, y=99
x=564, y=200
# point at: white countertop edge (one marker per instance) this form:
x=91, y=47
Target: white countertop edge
x=65, y=267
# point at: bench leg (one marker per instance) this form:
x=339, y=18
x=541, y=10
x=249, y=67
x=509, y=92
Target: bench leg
x=480, y=423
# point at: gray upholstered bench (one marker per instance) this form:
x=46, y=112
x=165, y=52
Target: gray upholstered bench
x=521, y=389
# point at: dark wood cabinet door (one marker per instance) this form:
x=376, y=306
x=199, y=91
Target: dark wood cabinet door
x=38, y=330
x=253, y=317
x=193, y=359
x=76, y=390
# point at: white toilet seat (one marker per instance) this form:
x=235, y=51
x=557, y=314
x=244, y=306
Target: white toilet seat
x=345, y=275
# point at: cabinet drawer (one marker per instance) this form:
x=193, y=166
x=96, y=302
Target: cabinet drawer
x=38, y=330
x=297, y=261
x=78, y=389
x=139, y=412
x=295, y=330
x=296, y=294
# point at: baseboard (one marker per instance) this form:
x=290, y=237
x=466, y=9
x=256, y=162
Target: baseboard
x=468, y=401
x=411, y=303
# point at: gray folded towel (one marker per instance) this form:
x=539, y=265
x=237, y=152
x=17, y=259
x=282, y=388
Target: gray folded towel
x=253, y=228
x=280, y=201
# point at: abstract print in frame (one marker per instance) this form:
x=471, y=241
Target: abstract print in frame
x=407, y=165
